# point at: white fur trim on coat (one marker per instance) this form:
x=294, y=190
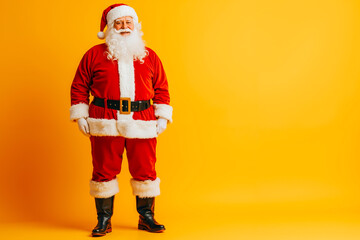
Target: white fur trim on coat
x=121, y=11
x=80, y=110
x=104, y=189
x=127, y=78
x=164, y=111
x=128, y=128
x=146, y=189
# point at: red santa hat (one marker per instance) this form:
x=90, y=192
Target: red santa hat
x=113, y=12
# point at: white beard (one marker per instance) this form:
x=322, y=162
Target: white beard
x=125, y=47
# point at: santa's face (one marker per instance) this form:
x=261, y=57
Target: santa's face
x=124, y=23
x=124, y=40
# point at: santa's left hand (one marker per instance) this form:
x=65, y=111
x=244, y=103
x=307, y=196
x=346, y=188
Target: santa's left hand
x=161, y=125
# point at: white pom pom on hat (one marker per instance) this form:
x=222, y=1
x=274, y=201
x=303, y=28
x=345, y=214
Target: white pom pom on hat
x=113, y=12
x=101, y=35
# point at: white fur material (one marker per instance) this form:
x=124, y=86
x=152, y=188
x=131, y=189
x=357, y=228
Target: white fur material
x=121, y=11
x=80, y=110
x=137, y=128
x=164, y=111
x=104, y=189
x=101, y=35
x=102, y=127
x=146, y=189
x=128, y=128
x=127, y=78
x=126, y=83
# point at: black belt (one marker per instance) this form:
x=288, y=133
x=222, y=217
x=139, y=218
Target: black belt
x=127, y=106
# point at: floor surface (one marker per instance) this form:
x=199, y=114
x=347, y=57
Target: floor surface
x=206, y=223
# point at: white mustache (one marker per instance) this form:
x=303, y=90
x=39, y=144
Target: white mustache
x=123, y=30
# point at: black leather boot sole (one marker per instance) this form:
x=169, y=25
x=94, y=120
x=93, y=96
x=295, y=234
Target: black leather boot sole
x=100, y=234
x=144, y=227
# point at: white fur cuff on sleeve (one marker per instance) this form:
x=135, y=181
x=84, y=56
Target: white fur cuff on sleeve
x=80, y=110
x=164, y=111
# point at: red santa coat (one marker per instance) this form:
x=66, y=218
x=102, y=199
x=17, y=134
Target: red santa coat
x=110, y=79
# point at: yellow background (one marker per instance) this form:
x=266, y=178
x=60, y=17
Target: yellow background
x=265, y=139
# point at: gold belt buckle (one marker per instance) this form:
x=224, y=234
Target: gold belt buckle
x=129, y=105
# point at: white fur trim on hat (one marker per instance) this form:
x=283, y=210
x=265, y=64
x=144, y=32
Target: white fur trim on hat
x=104, y=189
x=146, y=189
x=80, y=110
x=164, y=111
x=121, y=11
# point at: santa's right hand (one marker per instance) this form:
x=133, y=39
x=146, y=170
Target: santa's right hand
x=83, y=126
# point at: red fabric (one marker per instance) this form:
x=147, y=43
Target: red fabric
x=103, y=22
x=99, y=76
x=107, y=155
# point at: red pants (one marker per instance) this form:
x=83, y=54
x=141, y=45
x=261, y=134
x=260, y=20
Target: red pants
x=107, y=152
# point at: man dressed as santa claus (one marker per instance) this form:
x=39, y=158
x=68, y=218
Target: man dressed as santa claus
x=129, y=110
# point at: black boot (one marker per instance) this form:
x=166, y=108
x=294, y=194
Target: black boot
x=145, y=207
x=104, y=208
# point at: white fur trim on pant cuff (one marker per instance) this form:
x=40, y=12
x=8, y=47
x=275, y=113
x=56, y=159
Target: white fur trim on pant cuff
x=127, y=128
x=80, y=110
x=104, y=189
x=146, y=189
x=164, y=111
